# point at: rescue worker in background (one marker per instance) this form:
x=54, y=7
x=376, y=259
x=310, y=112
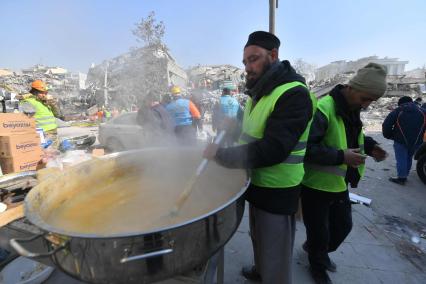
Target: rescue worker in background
x=405, y=126
x=335, y=157
x=100, y=115
x=185, y=115
x=157, y=123
x=197, y=97
x=227, y=108
x=273, y=144
x=107, y=114
x=43, y=106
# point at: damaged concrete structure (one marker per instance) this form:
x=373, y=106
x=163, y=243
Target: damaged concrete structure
x=59, y=79
x=394, y=65
x=57, y=72
x=5, y=72
x=214, y=77
x=125, y=80
x=66, y=87
x=400, y=83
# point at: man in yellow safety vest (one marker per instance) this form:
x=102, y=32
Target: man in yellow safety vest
x=272, y=146
x=42, y=105
x=335, y=158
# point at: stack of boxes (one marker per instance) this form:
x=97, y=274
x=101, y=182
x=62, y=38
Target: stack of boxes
x=20, y=148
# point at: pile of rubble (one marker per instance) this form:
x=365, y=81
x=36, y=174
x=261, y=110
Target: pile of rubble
x=58, y=79
x=67, y=88
x=125, y=80
x=215, y=77
x=376, y=113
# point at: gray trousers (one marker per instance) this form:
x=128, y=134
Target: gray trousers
x=273, y=240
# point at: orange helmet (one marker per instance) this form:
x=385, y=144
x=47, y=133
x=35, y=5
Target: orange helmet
x=175, y=90
x=39, y=85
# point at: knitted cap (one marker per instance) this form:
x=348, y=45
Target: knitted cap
x=370, y=79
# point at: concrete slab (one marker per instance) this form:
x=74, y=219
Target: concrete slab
x=385, y=258
x=354, y=275
x=365, y=232
x=368, y=255
x=301, y=274
x=346, y=256
x=391, y=277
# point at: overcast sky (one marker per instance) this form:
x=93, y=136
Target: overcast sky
x=75, y=33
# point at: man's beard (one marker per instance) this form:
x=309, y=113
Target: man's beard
x=250, y=83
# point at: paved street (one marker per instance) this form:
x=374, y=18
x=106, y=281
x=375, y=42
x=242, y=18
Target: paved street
x=378, y=250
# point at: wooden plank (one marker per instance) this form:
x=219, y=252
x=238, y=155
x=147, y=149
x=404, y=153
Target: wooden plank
x=11, y=214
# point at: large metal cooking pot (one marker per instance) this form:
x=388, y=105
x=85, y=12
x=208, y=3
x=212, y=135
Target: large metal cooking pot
x=205, y=223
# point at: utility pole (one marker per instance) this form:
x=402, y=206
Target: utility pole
x=273, y=4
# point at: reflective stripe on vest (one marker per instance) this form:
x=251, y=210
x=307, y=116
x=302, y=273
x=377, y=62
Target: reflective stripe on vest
x=290, y=172
x=43, y=115
x=331, y=178
x=334, y=170
x=291, y=159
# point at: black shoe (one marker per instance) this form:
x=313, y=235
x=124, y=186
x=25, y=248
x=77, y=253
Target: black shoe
x=250, y=273
x=398, y=180
x=331, y=266
x=320, y=276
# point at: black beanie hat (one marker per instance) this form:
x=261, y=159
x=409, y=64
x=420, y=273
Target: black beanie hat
x=404, y=100
x=263, y=39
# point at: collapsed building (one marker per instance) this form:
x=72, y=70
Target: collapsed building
x=5, y=72
x=214, y=77
x=67, y=87
x=412, y=84
x=394, y=66
x=400, y=83
x=58, y=79
x=125, y=80
x=207, y=81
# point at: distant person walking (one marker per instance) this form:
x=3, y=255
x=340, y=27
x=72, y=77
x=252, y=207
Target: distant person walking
x=405, y=126
x=227, y=108
x=154, y=117
x=157, y=124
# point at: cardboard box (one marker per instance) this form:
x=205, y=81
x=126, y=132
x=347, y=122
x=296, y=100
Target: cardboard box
x=16, y=123
x=19, y=164
x=20, y=144
x=98, y=152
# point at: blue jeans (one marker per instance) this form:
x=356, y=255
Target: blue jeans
x=404, y=159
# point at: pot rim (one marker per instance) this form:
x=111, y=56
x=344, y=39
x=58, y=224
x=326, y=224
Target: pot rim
x=36, y=220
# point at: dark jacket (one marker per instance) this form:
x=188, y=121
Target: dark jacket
x=405, y=125
x=284, y=127
x=156, y=119
x=318, y=153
